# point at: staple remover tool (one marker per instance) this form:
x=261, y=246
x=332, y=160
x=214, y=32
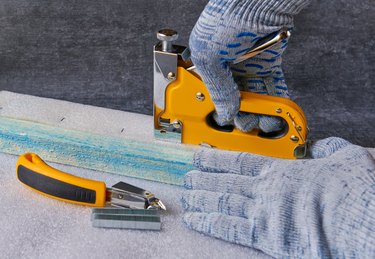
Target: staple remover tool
x=36, y=174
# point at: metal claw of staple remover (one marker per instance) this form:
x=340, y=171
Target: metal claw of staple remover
x=130, y=196
x=36, y=174
x=183, y=108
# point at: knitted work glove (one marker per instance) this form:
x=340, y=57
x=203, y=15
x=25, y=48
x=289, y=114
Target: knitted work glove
x=225, y=31
x=312, y=208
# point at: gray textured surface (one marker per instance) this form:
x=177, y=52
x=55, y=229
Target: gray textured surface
x=36, y=227
x=100, y=53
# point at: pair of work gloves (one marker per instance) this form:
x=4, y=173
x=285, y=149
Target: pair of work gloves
x=320, y=207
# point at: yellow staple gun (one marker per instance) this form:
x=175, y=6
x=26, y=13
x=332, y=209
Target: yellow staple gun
x=183, y=108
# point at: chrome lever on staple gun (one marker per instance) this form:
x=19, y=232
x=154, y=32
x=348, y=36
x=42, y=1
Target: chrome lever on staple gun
x=264, y=44
x=260, y=46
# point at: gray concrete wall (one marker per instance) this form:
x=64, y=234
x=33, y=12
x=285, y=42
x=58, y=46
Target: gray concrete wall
x=100, y=53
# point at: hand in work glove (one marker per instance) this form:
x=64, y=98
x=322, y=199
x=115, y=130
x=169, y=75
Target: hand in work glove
x=313, y=208
x=226, y=30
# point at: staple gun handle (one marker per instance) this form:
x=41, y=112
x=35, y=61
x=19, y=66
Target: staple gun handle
x=36, y=174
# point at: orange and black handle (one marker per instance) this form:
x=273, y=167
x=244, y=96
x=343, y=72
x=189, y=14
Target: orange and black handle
x=36, y=174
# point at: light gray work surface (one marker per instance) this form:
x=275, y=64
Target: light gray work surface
x=34, y=226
